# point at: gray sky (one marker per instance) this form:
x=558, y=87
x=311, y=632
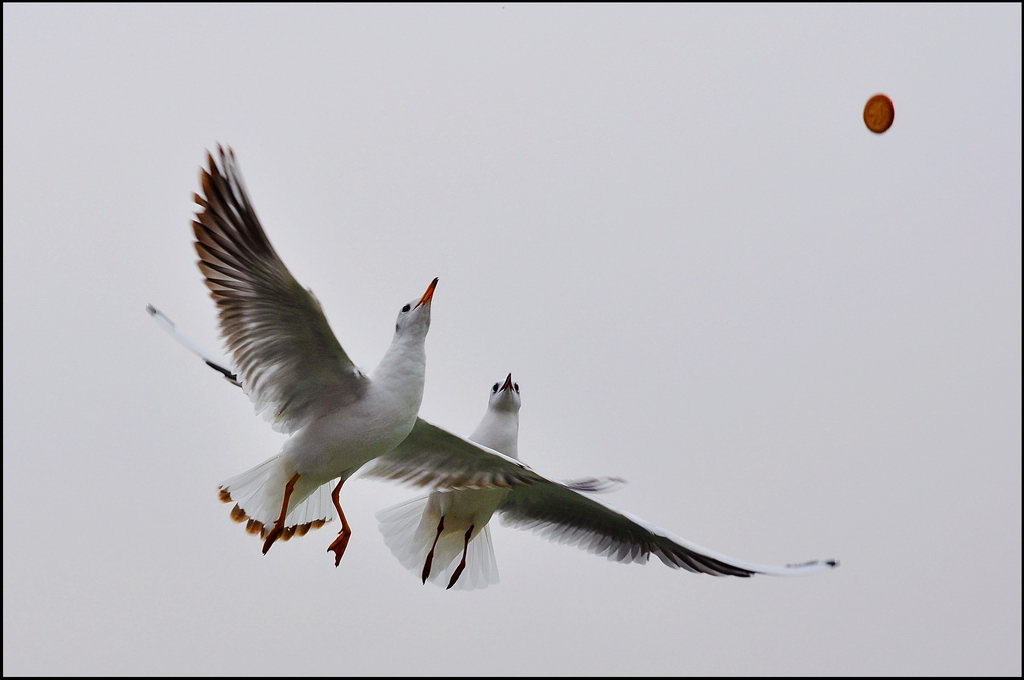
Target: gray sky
x=795, y=338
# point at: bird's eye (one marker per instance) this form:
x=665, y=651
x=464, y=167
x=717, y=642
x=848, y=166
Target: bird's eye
x=495, y=388
x=516, y=385
x=405, y=309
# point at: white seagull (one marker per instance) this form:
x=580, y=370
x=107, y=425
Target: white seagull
x=292, y=367
x=427, y=534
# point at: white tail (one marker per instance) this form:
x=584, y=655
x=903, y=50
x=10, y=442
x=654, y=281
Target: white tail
x=481, y=566
x=258, y=493
x=409, y=530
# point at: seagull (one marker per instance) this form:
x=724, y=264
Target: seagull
x=297, y=375
x=427, y=534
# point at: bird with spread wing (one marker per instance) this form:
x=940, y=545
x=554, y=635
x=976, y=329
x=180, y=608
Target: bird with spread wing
x=296, y=373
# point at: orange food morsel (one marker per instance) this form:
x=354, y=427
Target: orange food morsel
x=879, y=113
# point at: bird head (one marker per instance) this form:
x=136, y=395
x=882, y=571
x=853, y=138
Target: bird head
x=414, y=317
x=505, y=396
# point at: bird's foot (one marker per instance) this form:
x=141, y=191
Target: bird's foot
x=456, y=575
x=339, y=545
x=272, y=537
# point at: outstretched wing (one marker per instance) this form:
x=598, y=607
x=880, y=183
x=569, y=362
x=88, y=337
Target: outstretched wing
x=287, y=359
x=561, y=514
x=432, y=456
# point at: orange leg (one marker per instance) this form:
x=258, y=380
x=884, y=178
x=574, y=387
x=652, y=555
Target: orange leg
x=279, y=524
x=462, y=564
x=430, y=555
x=341, y=542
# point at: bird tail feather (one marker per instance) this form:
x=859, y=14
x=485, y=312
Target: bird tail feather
x=258, y=493
x=481, y=565
x=409, y=530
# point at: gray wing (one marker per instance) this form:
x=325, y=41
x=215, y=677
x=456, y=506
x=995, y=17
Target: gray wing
x=432, y=456
x=286, y=357
x=563, y=515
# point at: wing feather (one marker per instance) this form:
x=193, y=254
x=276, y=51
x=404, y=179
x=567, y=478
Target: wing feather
x=432, y=456
x=287, y=358
x=559, y=513
x=594, y=484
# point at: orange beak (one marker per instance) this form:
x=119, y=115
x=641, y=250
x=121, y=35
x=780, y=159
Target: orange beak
x=429, y=294
x=508, y=383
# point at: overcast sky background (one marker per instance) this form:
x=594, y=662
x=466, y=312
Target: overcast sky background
x=796, y=339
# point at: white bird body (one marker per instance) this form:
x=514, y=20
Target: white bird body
x=335, y=446
x=466, y=508
x=466, y=512
x=338, y=444
x=499, y=430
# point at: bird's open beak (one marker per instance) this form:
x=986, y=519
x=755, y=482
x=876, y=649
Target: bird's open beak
x=429, y=294
x=508, y=383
